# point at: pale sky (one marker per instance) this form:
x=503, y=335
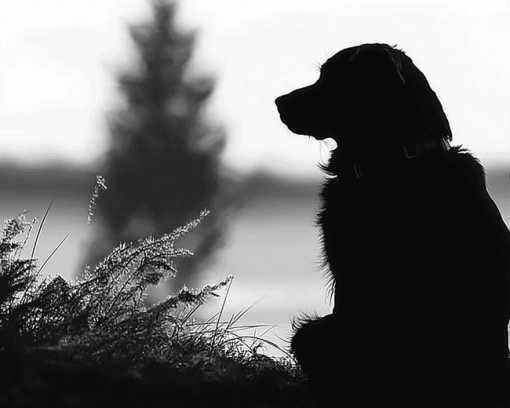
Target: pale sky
x=58, y=60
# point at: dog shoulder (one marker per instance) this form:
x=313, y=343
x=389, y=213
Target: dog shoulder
x=467, y=166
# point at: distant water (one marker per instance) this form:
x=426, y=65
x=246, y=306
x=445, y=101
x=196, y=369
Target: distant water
x=272, y=251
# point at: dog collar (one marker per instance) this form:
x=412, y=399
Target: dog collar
x=410, y=150
x=419, y=146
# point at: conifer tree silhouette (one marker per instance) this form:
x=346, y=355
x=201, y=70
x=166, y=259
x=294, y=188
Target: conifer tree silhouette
x=163, y=163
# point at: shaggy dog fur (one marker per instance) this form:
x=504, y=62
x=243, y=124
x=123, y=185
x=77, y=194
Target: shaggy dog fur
x=417, y=250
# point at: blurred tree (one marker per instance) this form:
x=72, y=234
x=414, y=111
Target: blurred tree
x=163, y=164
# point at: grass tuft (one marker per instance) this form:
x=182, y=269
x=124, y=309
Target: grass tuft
x=57, y=330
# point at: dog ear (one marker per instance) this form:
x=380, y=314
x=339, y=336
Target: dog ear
x=425, y=101
x=390, y=78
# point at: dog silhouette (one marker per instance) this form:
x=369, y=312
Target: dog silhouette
x=416, y=250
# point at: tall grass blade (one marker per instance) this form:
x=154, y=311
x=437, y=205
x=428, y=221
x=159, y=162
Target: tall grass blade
x=53, y=252
x=40, y=228
x=220, y=313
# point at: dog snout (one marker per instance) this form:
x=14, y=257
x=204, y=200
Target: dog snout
x=287, y=108
x=290, y=110
x=301, y=112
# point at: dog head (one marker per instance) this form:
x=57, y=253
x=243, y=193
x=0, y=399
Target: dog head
x=366, y=95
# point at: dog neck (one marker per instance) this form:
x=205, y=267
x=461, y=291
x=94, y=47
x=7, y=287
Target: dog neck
x=348, y=166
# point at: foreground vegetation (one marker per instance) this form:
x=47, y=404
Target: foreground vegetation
x=95, y=341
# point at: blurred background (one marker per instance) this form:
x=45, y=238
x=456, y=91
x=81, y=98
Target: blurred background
x=173, y=103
